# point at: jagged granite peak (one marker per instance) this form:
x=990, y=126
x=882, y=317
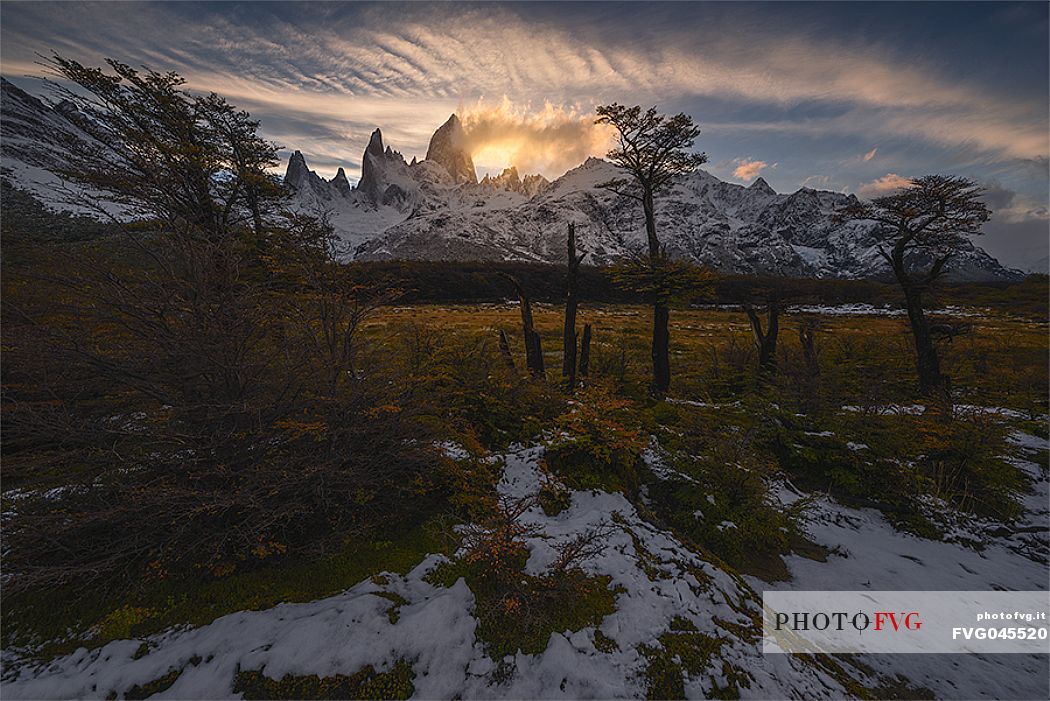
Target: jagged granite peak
x=509, y=180
x=371, y=164
x=375, y=143
x=297, y=172
x=342, y=184
x=385, y=180
x=448, y=148
x=760, y=185
x=534, y=184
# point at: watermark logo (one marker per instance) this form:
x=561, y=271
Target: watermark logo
x=906, y=621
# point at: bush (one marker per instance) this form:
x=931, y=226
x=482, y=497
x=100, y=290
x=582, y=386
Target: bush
x=964, y=458
x=462, y=384
x=717, y=492
x=596, y=444
x=366, y=683
x=519, y=611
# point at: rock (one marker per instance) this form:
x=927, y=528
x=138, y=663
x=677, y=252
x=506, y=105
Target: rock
x=448, y=148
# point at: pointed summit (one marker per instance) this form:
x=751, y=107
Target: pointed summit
x=297, y=171
x=448, y=148
x=375, y=143
x=760, y=185
x=340, y=182
x=370, y=166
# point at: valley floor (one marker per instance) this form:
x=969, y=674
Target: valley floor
x=652, y=610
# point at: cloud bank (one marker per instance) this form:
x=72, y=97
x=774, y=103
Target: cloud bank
x=549, y=140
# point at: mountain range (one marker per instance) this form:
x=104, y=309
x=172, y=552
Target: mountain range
x=437, y=209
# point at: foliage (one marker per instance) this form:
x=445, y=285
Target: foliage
x=596, y=444
x=366, y=683
x=965, y=459
x=463, y=386
x=716, y=492
x=193, y=163
x=516, y=610
x=651, y=147
x=932, y=214
x=200, y=420
x=681, y=651
x=665, y=279
x=554, y=498
x=70, y=617
x=924, y=224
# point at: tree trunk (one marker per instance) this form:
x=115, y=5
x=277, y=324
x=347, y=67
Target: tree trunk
x=661, y=350
x=807, y=333
x=766, y=343
x=585, y=351
x=504, y=349
x=661, y=311
x=572, y=282
x=650, y=225
x=533, y=345
x=931, y=382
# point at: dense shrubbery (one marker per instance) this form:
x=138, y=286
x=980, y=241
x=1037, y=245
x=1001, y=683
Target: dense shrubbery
x=596, y=444
x=519, y=611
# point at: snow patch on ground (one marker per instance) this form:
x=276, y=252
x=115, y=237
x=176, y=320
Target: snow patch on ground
x=658, y=578
x=868, y=553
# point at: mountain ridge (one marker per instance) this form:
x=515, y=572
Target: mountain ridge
x=437, y=209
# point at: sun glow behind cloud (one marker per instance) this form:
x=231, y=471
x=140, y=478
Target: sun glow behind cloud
x=547, y=140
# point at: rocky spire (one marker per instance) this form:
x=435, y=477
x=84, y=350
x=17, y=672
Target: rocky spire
x=297, y=171
x=340, y=182
x=370, y=166
x=447, y=148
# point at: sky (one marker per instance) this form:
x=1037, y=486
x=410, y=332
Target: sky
x=854, y=97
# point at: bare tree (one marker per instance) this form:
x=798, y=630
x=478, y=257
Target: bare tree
x=924, y=225
x=533, y=344
x=653, y=149
x=585, y=351
x=572, y=301
x=765, y=341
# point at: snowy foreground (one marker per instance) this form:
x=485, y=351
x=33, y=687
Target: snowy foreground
x=660, y=579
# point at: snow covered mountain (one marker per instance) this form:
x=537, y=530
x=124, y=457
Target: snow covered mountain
x=33, y=135
x=436, y=209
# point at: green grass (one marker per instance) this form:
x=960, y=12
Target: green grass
x=65, y=619
x=523, y=615
x=366, y=683
x=682, y=651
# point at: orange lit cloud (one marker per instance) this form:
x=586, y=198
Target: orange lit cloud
x=749, y=169
x=549, y=140
x=891, y=182
x=870, y=154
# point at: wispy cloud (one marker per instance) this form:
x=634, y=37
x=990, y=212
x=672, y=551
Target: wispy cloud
x=816, y=181
x=409, y=53
x=870, y=154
